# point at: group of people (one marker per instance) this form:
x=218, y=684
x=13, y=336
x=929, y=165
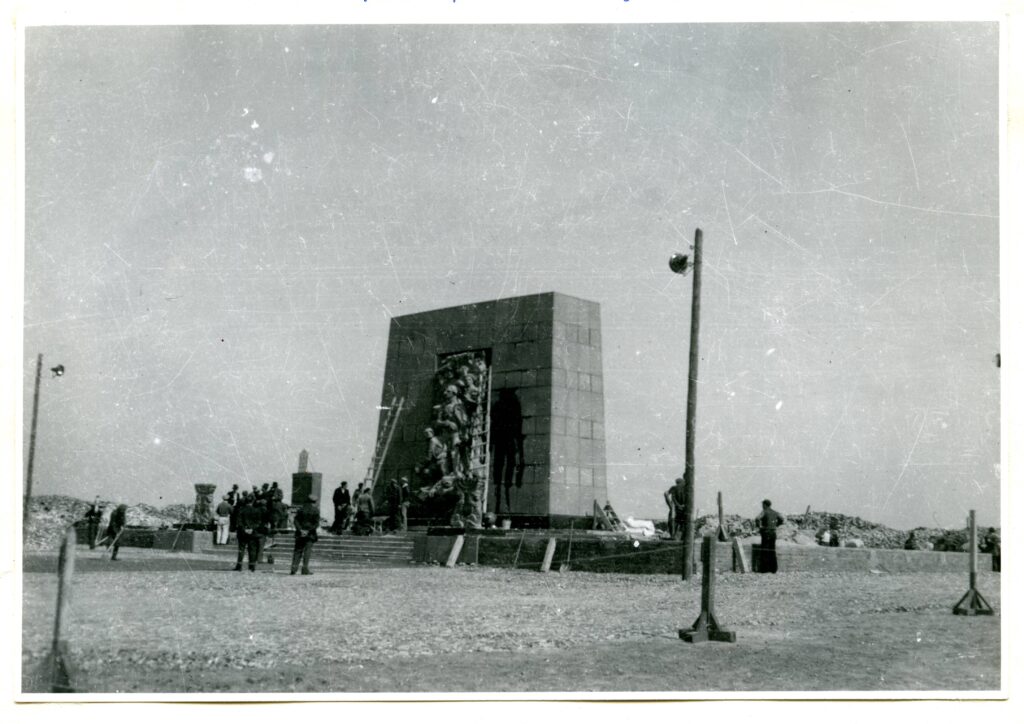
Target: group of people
x=768, y=522
x=256, y=516
x=356, y=511
x=115, y=526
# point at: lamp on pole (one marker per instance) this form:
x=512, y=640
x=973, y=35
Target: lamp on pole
x=57, y=371
x=680, y=264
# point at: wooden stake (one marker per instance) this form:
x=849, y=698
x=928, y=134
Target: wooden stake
x=453, y=555
x=722, y=535
x=55, y=673
x=739, y=558
x=549, y=554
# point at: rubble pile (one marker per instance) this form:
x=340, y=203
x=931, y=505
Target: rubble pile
x=805, y=528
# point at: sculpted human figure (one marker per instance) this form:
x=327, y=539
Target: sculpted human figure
x=451, y=418
x=437, y=457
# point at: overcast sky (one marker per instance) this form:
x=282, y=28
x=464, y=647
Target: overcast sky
x=220, y=222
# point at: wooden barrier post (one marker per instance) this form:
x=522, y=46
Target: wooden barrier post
x=739, y=559
x=453, y=555
x=55, y=673
x=722, y=535
x=706, y=628
x=973, y=603
x=549, y=554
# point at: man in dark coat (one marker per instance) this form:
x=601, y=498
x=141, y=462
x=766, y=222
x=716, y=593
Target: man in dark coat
x=250, y=531
x=342, y=500
x=235, y=498
x=364, y=513
x=675, y=498
x=403, y=519
x=117, y=523
x=395, y=500
x=768, y=522
x=991, y=543
x=307, y=520
x=92, y=519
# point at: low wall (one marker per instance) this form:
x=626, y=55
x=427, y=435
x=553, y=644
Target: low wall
x=164, y=538
x=617, y=555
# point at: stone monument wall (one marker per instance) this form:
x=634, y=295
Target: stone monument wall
x=546, y=348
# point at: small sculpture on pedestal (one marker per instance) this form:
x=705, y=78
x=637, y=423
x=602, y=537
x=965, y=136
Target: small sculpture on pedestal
x=202, y=513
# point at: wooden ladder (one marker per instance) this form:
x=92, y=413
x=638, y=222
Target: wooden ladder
x=606, y=518
x=479, y=458
x=387, y=431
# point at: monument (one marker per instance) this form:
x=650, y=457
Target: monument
x=202, y=513
x=503, y=411
x=304, y=482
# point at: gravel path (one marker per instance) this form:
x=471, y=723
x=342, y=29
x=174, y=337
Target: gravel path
x=184, y=622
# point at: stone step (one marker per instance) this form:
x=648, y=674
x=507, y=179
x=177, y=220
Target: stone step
x=363, y=546
x=365, y=540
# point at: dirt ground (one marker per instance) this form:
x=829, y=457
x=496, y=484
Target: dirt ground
x=157, y=622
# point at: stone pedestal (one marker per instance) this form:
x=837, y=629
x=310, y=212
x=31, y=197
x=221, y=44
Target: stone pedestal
x=304, y=485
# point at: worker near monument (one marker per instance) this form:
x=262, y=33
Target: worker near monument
x=395, y=501
x=364, y=513
x=223, y=520
x=403, y=519
x=250, y=530
x=342, y=501
x=768, y=522
x=118, y=520
x=307, y=520
x=991, y=543
x=675, y=498
x=92, y=519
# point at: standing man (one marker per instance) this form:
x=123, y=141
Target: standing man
x=364, y=513
x=991, y=543
x=394, y=498
x=404, y=513
x=223, y=520
x=235, y=498
x=250, y=523
x=117, y=524
x=768, y=522
x=92, y=519
x=342, y=501
x=675, y=498
x=307, y=520
x=833, y=532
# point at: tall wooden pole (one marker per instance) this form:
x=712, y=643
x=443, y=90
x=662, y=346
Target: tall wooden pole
x=31, y=449
x=972, y=527
x=691, y=410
